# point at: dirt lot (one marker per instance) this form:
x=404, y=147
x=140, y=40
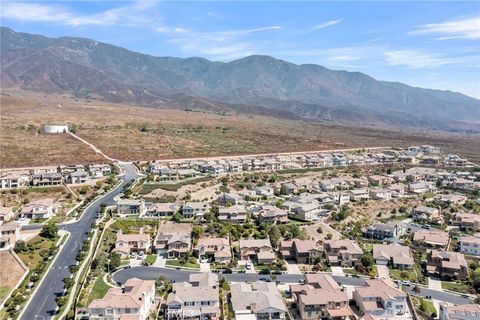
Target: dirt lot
x=170, y=227
x=10, y=273
x=135, y=133
x=16, y=198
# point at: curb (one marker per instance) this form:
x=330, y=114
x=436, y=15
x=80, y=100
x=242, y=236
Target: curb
x=60, y=248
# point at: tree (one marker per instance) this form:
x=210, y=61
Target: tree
x=177, y=217
x=115, y=260
x=49, y=231
x=20, y=246
x=367, y=260
x=275, y=236
x=197, y=232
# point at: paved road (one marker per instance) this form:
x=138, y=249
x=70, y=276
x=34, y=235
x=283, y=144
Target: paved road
x=42, y=305
x=152, y=273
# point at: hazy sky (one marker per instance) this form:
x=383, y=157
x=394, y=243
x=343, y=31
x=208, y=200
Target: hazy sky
x=427, y=44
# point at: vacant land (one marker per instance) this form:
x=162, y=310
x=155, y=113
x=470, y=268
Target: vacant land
x=11, y=271
x=136, y=133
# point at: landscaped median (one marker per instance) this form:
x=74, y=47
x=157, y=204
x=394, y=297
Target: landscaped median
x=38, y=254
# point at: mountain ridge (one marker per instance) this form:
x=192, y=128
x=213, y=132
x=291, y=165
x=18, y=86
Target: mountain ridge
x=87, y=67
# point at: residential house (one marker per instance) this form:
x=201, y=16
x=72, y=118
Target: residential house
x=462, y=184
x=449, y=199
x=380, y=194
x=173, y=246
x=447, y=264
x=424, y=213
x=379, y=300
x=397, y=190
x=421, y=187
x=288, y=188
x=470, y=244
x=340, y=197
x=47, y=179
x=195, y=209
x=467, y=221
x=9, y=234
x=217, y=248
x=6, y=214
x=359, y=195
x=257, y=250
x=431, y=238
x=235, y=214
x=196, y=299
x=229, y=199
x=259, y=300
x=40, y=209
x=449, y=311
x=130, y=207
x=264, y=191
x=134, y=301
x=78, y=177
x=394, y=255
x=342, y=252
x=378, y=180
x=321, y=298
x=100, y=170
x=162, y=210
x=13, y=180
x=272, y=214
x=127, y=244
x=381, y=231
x=302, y=251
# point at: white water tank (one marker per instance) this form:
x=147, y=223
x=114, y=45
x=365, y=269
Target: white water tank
x=55, y=128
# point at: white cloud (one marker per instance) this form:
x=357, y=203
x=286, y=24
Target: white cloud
x=416, y=59
x=217, y=45
x=325, y=24
x=455, y=29
x=27, y=11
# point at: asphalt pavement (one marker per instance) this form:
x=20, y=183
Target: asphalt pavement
x=178, y=275
x=43, y=305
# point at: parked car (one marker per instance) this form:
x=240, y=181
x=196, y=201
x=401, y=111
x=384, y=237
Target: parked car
x=227, y=271
x=248, y=266
x=426, y=226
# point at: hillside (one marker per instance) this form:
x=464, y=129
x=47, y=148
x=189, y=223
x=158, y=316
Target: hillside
x=255, y=84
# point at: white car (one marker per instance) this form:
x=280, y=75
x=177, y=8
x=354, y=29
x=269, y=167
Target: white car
x=204, y=260
x=248, y=265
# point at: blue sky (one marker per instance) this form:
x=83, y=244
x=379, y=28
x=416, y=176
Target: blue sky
x=427, y=44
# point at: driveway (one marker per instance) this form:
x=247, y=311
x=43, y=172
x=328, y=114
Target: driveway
x=384, y=273
x=292, y=267
x=434, y=283
x=205, y=267
x=337, y=271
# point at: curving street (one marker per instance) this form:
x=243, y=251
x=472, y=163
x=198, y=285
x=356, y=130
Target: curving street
x=42, y=304
x=152, y=273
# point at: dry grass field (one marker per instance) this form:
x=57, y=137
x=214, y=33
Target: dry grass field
x=136, y=133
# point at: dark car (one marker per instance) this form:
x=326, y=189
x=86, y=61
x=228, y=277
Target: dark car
x=227, y=271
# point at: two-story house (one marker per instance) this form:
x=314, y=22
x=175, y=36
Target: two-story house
x=134, y=301
x=258, y=300
x=321, y=298
x=342, y=252
x=195, y=299
x=378, y=300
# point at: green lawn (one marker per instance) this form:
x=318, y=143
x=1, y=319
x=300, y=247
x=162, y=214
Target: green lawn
x=3, y=292
x=455, y=286
x=350, y=271
x=150, y=259
x=428, y=307
x=177, y=263
x=397, y=274
x=99, y=290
